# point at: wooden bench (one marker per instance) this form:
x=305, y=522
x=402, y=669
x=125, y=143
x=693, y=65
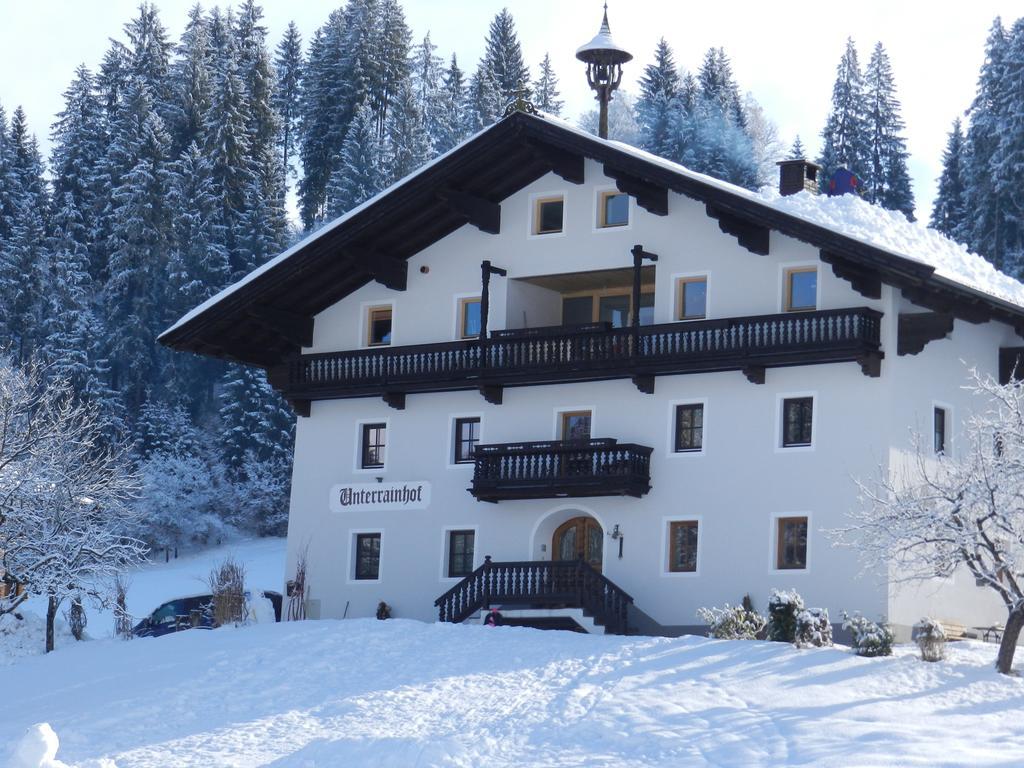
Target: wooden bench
x=955, y=631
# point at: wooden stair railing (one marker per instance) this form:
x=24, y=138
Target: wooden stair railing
x=547, y=584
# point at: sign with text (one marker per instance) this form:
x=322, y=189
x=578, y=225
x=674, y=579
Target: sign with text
x=383, y=497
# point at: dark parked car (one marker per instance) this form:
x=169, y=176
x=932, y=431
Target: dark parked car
x=189, y=613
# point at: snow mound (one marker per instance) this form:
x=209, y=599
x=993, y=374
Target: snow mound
x=37, y=749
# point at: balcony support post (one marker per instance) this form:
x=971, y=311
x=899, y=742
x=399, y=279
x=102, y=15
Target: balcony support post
x=639, y=254
x=486, y=270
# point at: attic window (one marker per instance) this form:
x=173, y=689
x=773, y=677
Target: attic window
x=801, y=289
x=378, y=326
x=614, y=210
x=548, y=214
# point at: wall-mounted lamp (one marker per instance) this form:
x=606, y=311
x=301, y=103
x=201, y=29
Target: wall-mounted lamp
x=617, y=534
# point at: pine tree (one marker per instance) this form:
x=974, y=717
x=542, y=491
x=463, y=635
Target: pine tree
x=887, y=180
x=1007, y=163
x=949, y=209
x=192, y=79
x=358, y=176
x=845, y=136
x=449, y=126
x=797, y=151
x=427, y=86
x=503, y=58
x=253, y=417
x=484, y=105
x=545, y=89
x=622, y=122
x=390, y=45
x=718, y=87
x=288, y=96
x=659, y=100
x=408, y=143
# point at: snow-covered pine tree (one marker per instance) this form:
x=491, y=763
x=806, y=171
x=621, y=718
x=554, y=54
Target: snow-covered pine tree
x=986, y=208
x=149, y=57
x=503, y=57
x=766, y=146
x=390, y=47
x=622, y=122
x=797, y=151
x=658, y=101
x=192, y=83
x=718, y=86
x=449, y=125
x=545, y=89
x=484, y=104
x=288, y=64
x=886, y=178
x=407, y=140
x=359, y=173
x=254, y=418
x=1007, y=163
x=845, y=136
x=427, y=86
x=949, y=209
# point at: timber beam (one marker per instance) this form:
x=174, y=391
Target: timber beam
x=395, y=399
x=753, y=237
x=567, y=165
x=293, y=327
x=871, y=364
x=865, y=281
x=649, y=196
x=754, y=373
x=481, y=213
x=492, y=393
x=943, y=301
x=644, y=383
x=916, y=329
x=389, y=271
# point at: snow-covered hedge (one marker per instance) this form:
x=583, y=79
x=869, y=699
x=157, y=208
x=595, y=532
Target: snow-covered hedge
x=783, y=608
x=732, y=622
x=813, y=628
x=930, y=637
x=869, y=638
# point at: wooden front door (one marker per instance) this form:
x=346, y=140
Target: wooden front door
x=579, y=537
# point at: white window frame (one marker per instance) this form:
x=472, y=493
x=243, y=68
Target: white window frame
x=783, y=287
x=780, y=399
x=773, y=543
x=531, y=214
x=666, y=528
x=558, y=411
x=357, y=459
x=450, y=442
x=950, y=443
x=350, y=571
x=670, y=448
x=595, y=221
x=443, y=576
x=679, y=276
x=364, y=323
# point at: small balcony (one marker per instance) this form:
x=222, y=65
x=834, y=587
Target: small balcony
x=558, y=469
x=560, y=354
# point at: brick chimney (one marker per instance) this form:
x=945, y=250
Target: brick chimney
x=798, y=175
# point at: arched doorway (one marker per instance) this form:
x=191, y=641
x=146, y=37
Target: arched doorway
x=579, y=537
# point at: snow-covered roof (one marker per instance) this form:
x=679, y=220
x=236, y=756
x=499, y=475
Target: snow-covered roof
x=603, y=43
x=884, y=241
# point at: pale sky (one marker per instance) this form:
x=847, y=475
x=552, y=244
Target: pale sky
x=784, y=53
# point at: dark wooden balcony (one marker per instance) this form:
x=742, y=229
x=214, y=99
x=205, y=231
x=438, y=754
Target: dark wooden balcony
x=594, y=352
x=555, y=469
x=538, y=584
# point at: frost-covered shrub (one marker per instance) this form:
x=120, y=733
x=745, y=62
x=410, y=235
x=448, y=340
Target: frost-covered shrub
x=783, y=607
x=869, y=638
x=813, y=629
x=732, y=622
x=930, y=637
x=227, y=584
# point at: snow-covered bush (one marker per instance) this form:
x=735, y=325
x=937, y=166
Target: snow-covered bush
x=76, y=618
x=181, y=500
x=813, y=628
x=732, y=622
x=122, y=619
x=227, y=584
x=783, y=608
x=930, y=637
x=869, y=638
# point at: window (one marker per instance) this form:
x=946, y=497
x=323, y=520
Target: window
x=801, y=289
x=692, y=298
x=939, y=430
x=469, y=318
x=682, y=549
x=548, y=213
x=614, y=210
x=689, y=427
x=791, y=541
x=608, y=306
x=575, y=425
x=460, y=553
x=367, y=556
x=374, y=442
x=378, y=326
x=467, y=435
x=797, y=421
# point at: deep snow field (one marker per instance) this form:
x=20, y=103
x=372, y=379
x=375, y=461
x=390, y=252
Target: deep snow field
x=326, y=694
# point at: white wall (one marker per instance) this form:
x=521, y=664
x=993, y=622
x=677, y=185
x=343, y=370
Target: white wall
x=735, y=487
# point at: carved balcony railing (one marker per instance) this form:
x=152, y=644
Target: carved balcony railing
x=556, y=468
x=538, y=584
x=592, y=352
